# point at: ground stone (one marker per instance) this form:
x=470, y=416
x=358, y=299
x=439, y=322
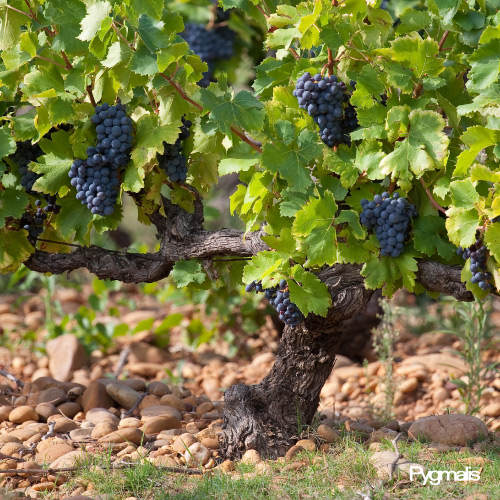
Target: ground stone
x=453, y=430
x=183, y=442
x=103, y=429
x=197, y=455
x=69, y=409
x=159, y=411
x=96, y=415
x=382, y=461
x=327, y=434
x=155, y=425
x=52, y=452
x=307, y=444
x=95, y=396
x=492, y=410
x=66, y=355
x=251, y=457
x=135, y=436
x=22, y=414
x=123, y=395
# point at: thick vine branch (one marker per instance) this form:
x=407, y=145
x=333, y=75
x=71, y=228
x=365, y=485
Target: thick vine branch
x=179, y=242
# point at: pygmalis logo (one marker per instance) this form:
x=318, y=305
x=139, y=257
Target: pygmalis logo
x=436, y=476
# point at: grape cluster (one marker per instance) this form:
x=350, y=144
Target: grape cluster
x=96, y=177
x=33, y=221
x=172, y=160
x=323, y=98
x=210, y=45
x=389, y=217
x=26, y=152
x=477, y=254
x=279, y=298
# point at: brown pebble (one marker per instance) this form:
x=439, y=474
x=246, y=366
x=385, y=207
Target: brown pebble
x=293, y=452
x=307, y=444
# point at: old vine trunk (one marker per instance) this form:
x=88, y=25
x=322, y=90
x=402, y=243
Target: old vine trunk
x=267, y=417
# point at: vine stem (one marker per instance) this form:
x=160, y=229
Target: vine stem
x=330, y=62
x=262, y=11
x=434, y=203
x=18, y=11
x=51, y=61
x=66, y=60
x=294, y=53
x=91, y=95
x=443, y=39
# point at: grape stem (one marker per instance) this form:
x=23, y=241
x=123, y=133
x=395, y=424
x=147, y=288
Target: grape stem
x=66, y=60
x=91, y=95
x=443, y=39
x=51, y=61
x=434, y=203
x=294, y=53
x=262, y=11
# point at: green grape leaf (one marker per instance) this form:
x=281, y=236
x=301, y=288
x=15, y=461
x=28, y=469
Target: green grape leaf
x=149, y=138
x=285, y=243
x=143, y=62
x=485, y=65
x=234, y=165
x=15, y=249
x=55, y=174
x=492, y=240
x=118, y=52
x=10, y=26
x=152, y=33
x=477, y=138
x=74, y=218
x=462, y=225
x=417, y=54
x=291, y=161
x=243, y=111
x=352, y=219
x=7, y=143
x=315, y=222
x=386, y=272
x=12, y=204
x=464, y=194
x=261, y=266
x=424, y=148
x=91, y=23
x=186, y=272
x=430, y=237
x=308, y=292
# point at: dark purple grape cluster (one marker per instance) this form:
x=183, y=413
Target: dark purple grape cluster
x=210, y=45
x=279, y=298
x=323, y=98
x=33, y=221
x=96, y=178
x=172, y=161
x=26, y=152
x=478, y=255
x=390, y=219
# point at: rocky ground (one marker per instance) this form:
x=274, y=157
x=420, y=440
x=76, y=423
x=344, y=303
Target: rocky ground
x=138, y=402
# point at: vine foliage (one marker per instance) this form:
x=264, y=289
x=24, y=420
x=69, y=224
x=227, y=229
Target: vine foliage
x=426, y=96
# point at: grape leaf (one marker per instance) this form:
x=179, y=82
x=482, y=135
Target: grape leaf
x=186, y=272
x=462, y=225
x=55, y=174
x=485, y=64
x=477, y=138
x=492, y=240
x=308, y=292
x=464, y=194
x=430, y=237
x=15, y=249
x=91, y=23
x=244, y=111
x=261, y=266
x=12, y=204
x=152, y=33
x=291, y=161
x=74, y=218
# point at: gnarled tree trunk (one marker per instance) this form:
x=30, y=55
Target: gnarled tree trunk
x=268, y=416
